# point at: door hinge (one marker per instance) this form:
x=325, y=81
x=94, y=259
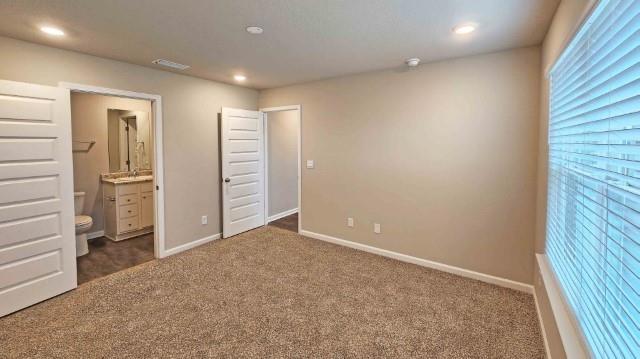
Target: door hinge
x=157, y=188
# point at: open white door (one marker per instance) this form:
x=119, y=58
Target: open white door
x=37, y=230
x=242, y=141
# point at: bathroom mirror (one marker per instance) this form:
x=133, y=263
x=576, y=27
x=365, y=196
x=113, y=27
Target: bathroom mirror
x=129, y=140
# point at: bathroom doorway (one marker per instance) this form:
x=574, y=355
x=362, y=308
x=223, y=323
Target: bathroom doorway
x=117, y=171
x=282, y=126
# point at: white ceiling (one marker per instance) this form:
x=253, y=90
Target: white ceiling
x=304, y=40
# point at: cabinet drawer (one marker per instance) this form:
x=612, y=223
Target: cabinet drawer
x=146, y=186
x=129, y=210
x=128, y=199
x=127, y=224
x=127, y=189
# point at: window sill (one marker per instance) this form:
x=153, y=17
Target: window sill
x=572, y=339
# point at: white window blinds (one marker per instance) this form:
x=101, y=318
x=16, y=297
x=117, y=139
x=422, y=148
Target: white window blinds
x=593, y=217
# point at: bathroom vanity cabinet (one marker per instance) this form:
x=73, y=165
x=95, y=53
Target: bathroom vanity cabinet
x=128, y=209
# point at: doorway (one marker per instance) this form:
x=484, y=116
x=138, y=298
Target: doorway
x=119, y=176
x=245, y=169
x=282, y=167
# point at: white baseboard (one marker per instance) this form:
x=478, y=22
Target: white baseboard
x=542, y=328
x=187, y=246
x=276, y=217
x=96, y=234
x=503, y=282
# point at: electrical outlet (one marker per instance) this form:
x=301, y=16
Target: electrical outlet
x=310, y=164
x=350, y=222
x=376, y=228
x=205, y=220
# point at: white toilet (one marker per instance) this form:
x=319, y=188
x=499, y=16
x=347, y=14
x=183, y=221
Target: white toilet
x=83, y=224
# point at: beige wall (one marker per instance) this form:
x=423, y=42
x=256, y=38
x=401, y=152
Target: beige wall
x=190, y=110
x=89, y=115
x=282, y=127
x=566, y=21
x=442, y=156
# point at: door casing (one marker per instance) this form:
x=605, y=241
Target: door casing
x=160, y=250
x=266, y=112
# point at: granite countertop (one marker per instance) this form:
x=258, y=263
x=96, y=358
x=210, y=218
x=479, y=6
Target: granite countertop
x=121, y=180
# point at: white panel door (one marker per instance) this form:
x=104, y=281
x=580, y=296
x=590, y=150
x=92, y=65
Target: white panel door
x=242, y=141
x=37, y=230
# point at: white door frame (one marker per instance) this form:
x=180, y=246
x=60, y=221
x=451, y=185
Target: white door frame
x=266, y=159
x=158, y=158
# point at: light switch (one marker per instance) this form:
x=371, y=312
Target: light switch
x=376, y=228
x=310, y=164
x=350, y=222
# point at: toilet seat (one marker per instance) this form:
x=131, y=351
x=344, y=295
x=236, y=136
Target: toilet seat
x=83, y=222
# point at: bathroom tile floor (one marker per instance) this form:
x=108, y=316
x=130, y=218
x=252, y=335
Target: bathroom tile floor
x=290, y=223
x=106, y=256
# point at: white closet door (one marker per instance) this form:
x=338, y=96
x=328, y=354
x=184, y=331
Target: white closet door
x=37, y=230
x=242, y=141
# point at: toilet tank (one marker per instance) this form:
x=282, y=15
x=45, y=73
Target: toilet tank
x=78, y=202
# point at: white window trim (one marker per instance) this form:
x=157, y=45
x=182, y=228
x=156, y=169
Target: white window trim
x=571, y=336
x=565, y=43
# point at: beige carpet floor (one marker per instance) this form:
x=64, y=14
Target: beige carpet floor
x=273, y=293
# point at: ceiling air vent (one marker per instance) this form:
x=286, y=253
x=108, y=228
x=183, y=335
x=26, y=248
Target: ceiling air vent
x=171, y=64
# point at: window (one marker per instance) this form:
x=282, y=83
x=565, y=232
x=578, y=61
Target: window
x=593, y=217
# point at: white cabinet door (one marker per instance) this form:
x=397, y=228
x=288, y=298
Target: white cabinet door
x=37, y=231
x=146, y=209
x=242, y=141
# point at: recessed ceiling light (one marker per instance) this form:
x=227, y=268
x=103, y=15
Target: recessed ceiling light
x=239, y=78
x=52, y=31
x=464, y=29
x=412, y=62
x=255, y=30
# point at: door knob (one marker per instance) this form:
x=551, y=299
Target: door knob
x=227, y=180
